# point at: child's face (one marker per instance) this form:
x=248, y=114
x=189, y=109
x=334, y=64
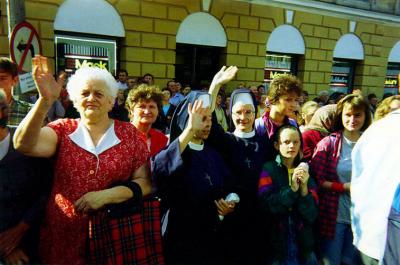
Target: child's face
x=289, y=143
x=287, y=104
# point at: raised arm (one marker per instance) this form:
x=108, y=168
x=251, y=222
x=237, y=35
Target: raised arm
x=169, y=160
x=222, y=77
x=30, y=138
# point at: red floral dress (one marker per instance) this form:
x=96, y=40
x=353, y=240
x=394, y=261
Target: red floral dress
x=77, y=171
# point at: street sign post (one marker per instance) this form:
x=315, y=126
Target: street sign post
x=24, y=45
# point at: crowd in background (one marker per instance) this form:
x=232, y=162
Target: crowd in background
x=258, y=176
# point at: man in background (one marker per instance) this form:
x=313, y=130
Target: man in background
x=8, y=80
x=24, y=185
x=122, y=78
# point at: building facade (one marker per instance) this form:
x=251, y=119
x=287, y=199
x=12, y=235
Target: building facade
x=329, y=44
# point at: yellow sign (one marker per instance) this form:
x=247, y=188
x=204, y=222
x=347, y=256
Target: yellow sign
x=390, y=82
x=398, y=79
x=270, y=74
x=85, y=63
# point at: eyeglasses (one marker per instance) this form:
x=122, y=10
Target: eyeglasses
x=246, y=113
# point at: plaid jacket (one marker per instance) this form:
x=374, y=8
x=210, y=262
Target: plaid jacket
x=18, y=111
x=323, y=166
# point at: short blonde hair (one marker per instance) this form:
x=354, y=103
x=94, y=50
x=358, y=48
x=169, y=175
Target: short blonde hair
x=384, y=107
x=83, y=75
x=144, y=92
x=306, y=106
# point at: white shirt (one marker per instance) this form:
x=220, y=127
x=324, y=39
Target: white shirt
x=122, y=86
x=375, y=176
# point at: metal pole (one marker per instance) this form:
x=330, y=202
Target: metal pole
x=15, y=13
x=194, y=62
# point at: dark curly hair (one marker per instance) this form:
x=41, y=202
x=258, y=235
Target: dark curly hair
x=8, y=66
x=283, y=85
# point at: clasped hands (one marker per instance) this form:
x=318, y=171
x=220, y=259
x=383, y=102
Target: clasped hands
x=299, y=179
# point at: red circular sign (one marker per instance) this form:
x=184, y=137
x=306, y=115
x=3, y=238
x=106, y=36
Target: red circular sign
x=24, y=45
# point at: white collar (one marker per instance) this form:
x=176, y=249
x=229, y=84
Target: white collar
x=82, y=138
x=196, y=147
x=241, y=134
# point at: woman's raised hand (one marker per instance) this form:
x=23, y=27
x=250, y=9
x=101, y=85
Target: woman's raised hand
x=47, y=86
x=225, y=75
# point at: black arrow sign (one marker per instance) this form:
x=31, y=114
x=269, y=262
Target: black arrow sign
x=22, y=46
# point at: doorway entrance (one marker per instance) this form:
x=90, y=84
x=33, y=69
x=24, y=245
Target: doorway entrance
x=196, y=65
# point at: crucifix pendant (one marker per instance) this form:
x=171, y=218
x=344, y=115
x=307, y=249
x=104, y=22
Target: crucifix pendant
x=247, y=161
x=209, y=179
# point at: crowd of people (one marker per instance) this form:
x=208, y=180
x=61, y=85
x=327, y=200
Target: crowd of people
x=253, y=177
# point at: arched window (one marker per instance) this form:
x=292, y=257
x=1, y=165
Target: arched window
x=348, y=51
x=199, y=44
x=286, y=39
x=201, y=29
x=349, y=46
x=78, y=25
x=393, y=71
x=89, y=17
x=284, y=46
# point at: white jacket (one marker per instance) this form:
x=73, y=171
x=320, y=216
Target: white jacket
x=375, y=176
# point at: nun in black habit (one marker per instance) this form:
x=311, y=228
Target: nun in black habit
x=190, y=179
x=244, y=152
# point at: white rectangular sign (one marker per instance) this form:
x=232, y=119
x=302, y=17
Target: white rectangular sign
x=26, y=82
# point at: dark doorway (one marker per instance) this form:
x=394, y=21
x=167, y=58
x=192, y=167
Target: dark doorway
x=196, y=65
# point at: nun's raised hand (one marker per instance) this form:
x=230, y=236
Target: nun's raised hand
x=197, y=115
x=47, y=86
x=225, y=75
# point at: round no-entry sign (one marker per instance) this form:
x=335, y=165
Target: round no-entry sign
x=24, y=45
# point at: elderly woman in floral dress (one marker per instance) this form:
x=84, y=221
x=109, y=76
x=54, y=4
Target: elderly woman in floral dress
x=91, y=154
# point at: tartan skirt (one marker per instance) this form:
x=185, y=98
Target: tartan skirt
x=132, y=239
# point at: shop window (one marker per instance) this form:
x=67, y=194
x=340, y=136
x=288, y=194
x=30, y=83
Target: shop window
x=391, y=80
x=74, y=52
x=276, y=64
x=342, y=77
x=196, y=64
